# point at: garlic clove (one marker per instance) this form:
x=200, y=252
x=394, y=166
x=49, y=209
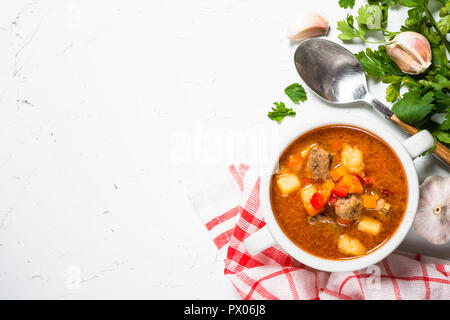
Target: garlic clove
x=307, y=26
x=411, y=52
x=433, y=215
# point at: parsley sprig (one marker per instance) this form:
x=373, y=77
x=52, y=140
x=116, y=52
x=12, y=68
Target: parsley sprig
x=371, y=17
x=426, y=95
x=279, y=112
x=296, y=93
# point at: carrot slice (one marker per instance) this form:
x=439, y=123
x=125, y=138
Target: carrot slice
x=356, y=186
x=337, y=173
x=295, y=163
x=369, y=201
x=352, y=183
x=346, y=181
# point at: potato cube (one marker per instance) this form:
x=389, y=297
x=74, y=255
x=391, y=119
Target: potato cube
x=369, y=225
x=352, y=159
x=380, y=204
x=306, y=195
x=288, y=183
x=350, y=246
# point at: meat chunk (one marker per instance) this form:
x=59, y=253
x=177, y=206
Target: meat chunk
x=318, y=164
x=325, y=221
x=349, y=209
x=320, y=219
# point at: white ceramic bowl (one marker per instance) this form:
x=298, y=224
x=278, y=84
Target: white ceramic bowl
x=272, y=234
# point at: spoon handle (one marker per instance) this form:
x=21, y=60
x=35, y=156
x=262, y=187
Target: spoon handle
x=441, y=151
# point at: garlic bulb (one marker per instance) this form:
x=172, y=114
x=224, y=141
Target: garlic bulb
x=307, y=26
x=411, y=51
x=433, y=215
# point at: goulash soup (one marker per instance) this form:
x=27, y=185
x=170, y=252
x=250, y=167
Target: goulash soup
x=340, y=192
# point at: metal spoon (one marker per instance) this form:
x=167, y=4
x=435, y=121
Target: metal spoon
x=337, y=76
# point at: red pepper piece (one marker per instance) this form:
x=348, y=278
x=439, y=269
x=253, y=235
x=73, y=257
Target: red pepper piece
x=332, y=199
x=386, y=192
x=340, y=192
x=364, y=181
x=317, y=201
x=343, y=221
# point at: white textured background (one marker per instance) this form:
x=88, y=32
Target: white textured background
x=108, y=109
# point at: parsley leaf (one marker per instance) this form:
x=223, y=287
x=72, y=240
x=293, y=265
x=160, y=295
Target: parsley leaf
x=386, y=3
x=393, y=91
x=377, y=63
x=279, y=112
x=446, y=124
x=443, y=136
x=413, y=3
x=442, y=100
x=296, y=92
x=444, y=24
x=414, y=17
x=437, y=82
x=348, y=31
x=346, y=3
x=413, y=107
x=370, y=16
x=372, y=62
x=439, y=60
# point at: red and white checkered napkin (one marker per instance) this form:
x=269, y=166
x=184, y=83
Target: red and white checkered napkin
x=231, y=212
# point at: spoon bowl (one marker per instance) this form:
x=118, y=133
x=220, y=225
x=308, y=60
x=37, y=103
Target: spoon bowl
x=331, y=71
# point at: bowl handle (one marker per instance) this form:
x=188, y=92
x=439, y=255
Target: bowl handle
x=418, y=143
x=259, y=241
